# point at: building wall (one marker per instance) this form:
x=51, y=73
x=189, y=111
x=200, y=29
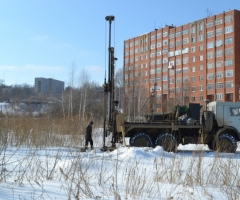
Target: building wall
x=188, y=63
x=48, y=86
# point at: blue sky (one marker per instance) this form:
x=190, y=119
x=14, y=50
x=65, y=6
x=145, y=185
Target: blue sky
x=47, y=38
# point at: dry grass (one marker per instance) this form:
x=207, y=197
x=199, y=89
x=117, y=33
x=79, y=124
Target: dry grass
x=105, y=177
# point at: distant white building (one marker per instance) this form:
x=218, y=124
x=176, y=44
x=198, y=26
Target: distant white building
x=48, y=86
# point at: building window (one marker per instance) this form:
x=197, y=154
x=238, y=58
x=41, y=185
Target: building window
x=193, y=69
x=171, y=81
x=158, y=61
x=228, y=18
x=185, y=40
x=218, y=43
x=178, y=43
x=126, y=45
x=177, y=52
x=171, y=90
x=171, y=53
x=200, y=98
x=210, y=55
x=131, y=44
x=165, y=42
x=210, y=76
x=164, y=78
x=193, y=78
x=210, y=34
x=192, y=49
x=159, y=35
x=136, y=42
x=200, y=47
x=218, y=32
x=219, y=64
x=178, y=61
x=228, y=40
x=165, y=60
x=158, y=53
x=193, y=88
x=185, y=31
x=165, y=69
x=228, y=51
x=219, y=96
x=219, y=75
x=210, y=86
x=178, y=80
x=201, y=57
x=219, y=85
x=185, y=70
x=210, y=45
x=152, y=46
x=185, y=60
x=209, y=24
x=193, y=40
x=164, y=51
x=158, y=79
x=178, y=71
x=158, y=44
x=178, y=33
x=171, y=35
x=152, y=37
x=229, y=84
x=165, y=34
x=228, y=62
x=228, y=29
x=229, y=73
x=218, y=21
x=185, y=79
x=210, y=65
x=200, y=67
x=152, y=80
x=152, y=71
x=200, y=27
x=193, y=58
x=152, y=54
x=158, y=70
x=201, y=87
x=171, y=44
x=136, y=50
x=152, y=63
x=193, y=29
x=200, y=38
x=185, y=50
x=219, y=53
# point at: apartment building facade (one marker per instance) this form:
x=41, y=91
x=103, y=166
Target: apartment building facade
x=48, y=86
x=188, y=63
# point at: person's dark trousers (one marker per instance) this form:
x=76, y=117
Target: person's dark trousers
x=91, y=142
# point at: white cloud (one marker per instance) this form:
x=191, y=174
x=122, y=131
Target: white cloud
x=39, y=38
x=33, y=68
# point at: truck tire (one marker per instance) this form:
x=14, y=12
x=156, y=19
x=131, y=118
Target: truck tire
x=226, y=143
x=141, y=140
x=207, y=121
x=167, y=141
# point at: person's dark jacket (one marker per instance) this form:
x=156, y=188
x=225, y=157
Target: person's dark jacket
x=89, y=132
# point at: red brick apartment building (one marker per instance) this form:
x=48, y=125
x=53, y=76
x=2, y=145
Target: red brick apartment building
x=188, y=63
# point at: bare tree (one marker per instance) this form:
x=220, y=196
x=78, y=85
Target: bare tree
x=83, y=84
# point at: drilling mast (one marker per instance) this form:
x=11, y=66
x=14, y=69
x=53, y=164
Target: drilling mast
x=109, y=90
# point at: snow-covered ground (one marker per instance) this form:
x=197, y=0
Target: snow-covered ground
x=193, y=172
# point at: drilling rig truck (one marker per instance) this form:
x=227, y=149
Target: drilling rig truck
x=217, y=124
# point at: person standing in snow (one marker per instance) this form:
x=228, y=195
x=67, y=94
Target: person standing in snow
x=89, y=135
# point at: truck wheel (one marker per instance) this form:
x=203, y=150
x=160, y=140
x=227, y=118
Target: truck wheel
x=208, y=121
x=167, y=141
x=141, y=140
x=226, y=143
